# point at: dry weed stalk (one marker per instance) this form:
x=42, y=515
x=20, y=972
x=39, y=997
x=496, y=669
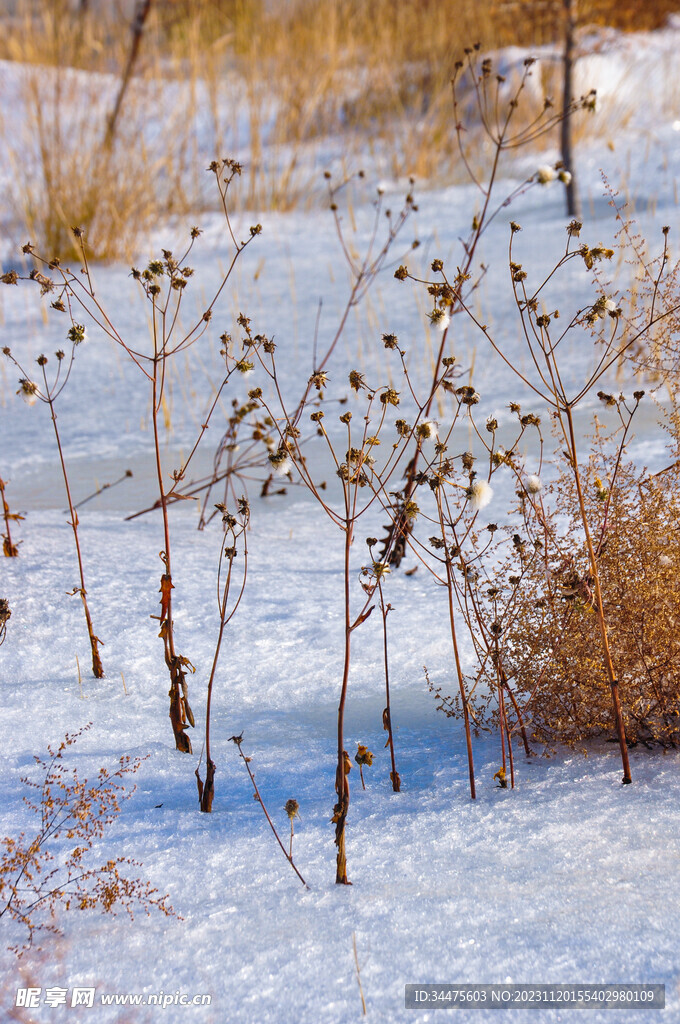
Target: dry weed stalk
x=234, y=530
x=9, y=548
x=464, y=559
x=544, y=336
x=48, y=394
x=51, y=869
x=364, y=476
x=103, y=487
x=163, y=282
x=375, y=574
x=5, y=615
x=475, y=85
x=364, y=757
x=358, y=973
x=290, y=810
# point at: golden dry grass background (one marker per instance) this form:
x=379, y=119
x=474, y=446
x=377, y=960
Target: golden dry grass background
x=375, y=74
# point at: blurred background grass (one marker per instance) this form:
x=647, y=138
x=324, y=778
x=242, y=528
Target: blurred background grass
x=283, y=86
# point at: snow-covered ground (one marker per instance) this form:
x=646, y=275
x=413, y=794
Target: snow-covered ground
x=570, y=878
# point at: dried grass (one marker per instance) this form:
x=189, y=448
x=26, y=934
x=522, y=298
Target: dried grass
x=374, y=78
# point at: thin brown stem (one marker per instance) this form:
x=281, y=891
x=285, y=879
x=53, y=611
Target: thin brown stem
x=180, y=712
x=97, y=668
x=9, y=549
x=387, y=713
x=599, y=608
x=342, y=776
x=238, y=740
x=461, y=680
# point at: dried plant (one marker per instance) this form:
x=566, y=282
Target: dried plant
x=545, y=337
x=52, y=869
x=478, y=93
x=373, y=576
x=291, y=810
x=633, y=516
x=103, y=487
x=544, y=334
x=251, y=437
x=474, y=567
x=358, y=469
x=652, y=316
x=363, y=757
x=364, y=481
x=235, y=530
x=163, y=283
x=9, y=549
x=5, y=615
x=48, y=394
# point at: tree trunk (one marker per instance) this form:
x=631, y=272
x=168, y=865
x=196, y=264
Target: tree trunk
x=573, y=198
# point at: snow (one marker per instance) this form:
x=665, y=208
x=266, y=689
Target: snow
x=569, y=878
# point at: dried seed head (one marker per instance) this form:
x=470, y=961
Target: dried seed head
x=479, y=494
x=28, y=390
x=440, y=318
x=389, y=397
x=280, y=462
x=426, y=430
x=363, y=755
x=77, y=334
x=545, y=174
x=292, y=809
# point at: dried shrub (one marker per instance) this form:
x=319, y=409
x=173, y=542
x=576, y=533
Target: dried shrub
x=54, y=867
x=555, y=634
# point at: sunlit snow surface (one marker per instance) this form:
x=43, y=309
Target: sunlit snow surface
x=569, y=878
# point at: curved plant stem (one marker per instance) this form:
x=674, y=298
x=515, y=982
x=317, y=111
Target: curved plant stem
x=599, y=609
x=97, y=668
x=238, y=740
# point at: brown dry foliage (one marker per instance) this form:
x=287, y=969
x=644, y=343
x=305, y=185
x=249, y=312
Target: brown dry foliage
x=53, y=868
x=555, y=635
